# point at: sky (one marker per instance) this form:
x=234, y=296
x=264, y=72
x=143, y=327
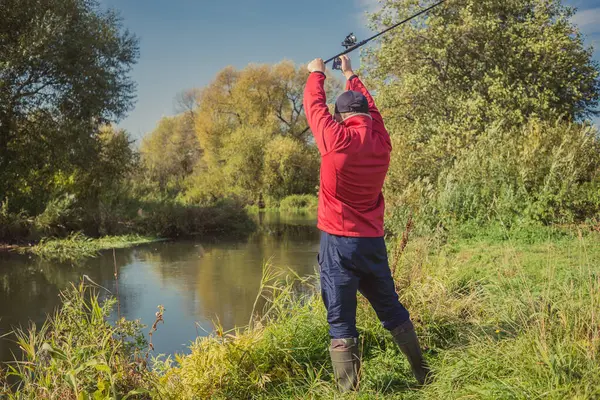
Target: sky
x=184, y=43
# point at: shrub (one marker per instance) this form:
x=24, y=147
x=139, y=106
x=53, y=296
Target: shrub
x=543, y=173
x=174, y=219
x=13, y=226
x=60, y=217
x=304, y=202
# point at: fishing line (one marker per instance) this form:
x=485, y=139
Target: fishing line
x=350, y=42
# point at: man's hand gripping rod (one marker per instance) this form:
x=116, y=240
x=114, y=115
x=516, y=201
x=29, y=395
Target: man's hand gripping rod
x=350, y=41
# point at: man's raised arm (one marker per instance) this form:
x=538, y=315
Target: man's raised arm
x=354, y=83
x=324, y=128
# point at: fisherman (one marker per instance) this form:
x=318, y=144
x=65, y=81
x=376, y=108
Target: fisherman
x=355, y=155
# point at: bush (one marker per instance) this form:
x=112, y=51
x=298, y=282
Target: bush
x=158, y=218
x=60, y=217
x=174, y=219
x=542, y=173
x=304, y=202
x=13, y=226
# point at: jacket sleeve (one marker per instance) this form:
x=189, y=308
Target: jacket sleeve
x=327, y=132
x=355, y=84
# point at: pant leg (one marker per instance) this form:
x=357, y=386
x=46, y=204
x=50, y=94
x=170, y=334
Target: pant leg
x=377, y=284
x=339, y=286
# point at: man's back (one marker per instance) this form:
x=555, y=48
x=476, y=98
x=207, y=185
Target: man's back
x=355, y=160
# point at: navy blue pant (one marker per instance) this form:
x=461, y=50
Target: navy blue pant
x=349, y=265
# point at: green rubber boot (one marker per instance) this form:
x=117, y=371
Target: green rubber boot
x=406, y=338
x=345, y=359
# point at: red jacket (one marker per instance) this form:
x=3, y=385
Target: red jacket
x=355, y=157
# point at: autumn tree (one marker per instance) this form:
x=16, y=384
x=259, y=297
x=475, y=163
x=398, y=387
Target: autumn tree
x=290, y=168
x=238, y=117
x=266, y=96
x=171, y=152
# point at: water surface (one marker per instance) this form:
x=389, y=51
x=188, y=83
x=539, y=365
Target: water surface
x=196, y=281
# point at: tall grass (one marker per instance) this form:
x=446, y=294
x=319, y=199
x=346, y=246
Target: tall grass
x=77, y=354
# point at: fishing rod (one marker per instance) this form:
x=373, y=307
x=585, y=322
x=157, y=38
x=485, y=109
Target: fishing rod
x=350, y=42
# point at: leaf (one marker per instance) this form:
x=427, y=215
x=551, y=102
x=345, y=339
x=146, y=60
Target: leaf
x=54, y=352
x=136, y=392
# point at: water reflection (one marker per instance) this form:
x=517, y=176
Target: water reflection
x=196, y=281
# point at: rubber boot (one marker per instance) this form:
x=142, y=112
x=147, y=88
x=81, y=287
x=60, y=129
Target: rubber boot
x=345, y=359
x=406, y=338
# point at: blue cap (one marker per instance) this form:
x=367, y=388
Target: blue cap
x=352, y=101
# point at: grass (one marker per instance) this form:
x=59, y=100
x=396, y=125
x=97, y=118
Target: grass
x=515, y=318
x=78, y=246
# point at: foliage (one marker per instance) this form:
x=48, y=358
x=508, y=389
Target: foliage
x=12, y=225
x=305, y=202
x=267, y=96
x=542, y=173
x=253, y=132
x=134, y=221
x=176, y=220
x=64, y=71
x=60, y=214
x=171, y=152
x=78, y=354
x=244, y=155
x=290, y=168
x=546, y=173
x=466, y=70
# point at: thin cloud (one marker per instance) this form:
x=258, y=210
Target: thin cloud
x=365, y=8
x=369, y=5
x=588, y=20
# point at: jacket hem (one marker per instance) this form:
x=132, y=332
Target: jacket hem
x=350, y=233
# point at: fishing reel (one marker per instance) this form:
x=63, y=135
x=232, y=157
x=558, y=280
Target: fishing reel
x=349, y=41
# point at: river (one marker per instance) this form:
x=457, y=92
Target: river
x=196, y=281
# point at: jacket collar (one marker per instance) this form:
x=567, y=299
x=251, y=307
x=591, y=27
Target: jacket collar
x=358, y=120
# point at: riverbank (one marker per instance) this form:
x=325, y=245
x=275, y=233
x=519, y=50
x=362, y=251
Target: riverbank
x=501, y=316
x=68, y=239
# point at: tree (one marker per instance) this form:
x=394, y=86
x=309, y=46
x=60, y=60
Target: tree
x=265, y=96
x=64, y=71
x=290, y=168
x=445, y=79
x=253, y=132
x=171, y=152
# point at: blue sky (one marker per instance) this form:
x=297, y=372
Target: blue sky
x=184, y=43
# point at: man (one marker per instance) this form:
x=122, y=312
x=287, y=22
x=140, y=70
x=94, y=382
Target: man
x=355, y=154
